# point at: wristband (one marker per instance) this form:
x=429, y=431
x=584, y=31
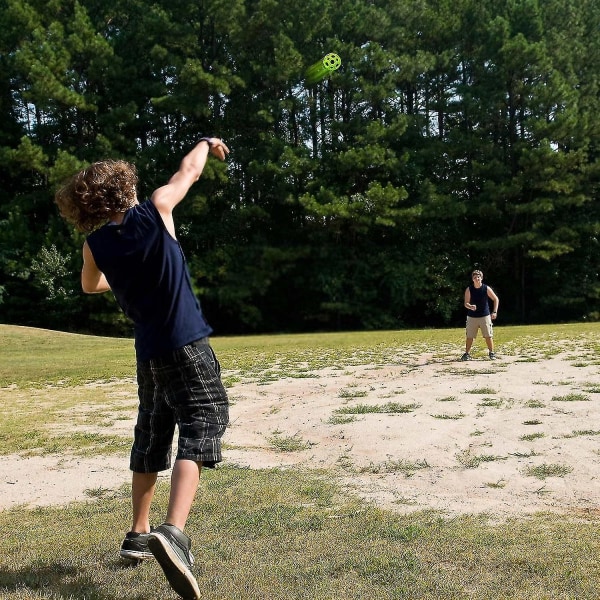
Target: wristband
x=207, y=140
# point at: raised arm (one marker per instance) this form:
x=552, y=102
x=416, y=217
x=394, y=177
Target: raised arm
x=167, y=197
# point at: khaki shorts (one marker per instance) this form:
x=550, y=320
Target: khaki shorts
x=483, y=323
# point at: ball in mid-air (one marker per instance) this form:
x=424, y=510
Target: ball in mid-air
x=332, y=61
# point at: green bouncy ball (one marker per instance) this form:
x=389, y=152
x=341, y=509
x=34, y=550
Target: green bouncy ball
x=327, y=65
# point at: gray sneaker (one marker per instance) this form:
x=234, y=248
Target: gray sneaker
x=135, y=547
x=492, y=355
x=171, y=548
x=465, y=356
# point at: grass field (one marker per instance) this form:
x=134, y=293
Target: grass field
x=270, y=534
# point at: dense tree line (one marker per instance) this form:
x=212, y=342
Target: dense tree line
x=456, y=134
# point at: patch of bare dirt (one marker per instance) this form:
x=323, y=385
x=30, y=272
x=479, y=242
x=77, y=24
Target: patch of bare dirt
x=472, y=438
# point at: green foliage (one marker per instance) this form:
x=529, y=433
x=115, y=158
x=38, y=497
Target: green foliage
x=454, y=135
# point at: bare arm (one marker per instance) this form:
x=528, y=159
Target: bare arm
x=167, y=197
x=93, y=280
x=468, y=300
x=492, y=296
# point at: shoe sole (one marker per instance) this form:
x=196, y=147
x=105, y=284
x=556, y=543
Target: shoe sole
x=179, y=576
x=134, y=555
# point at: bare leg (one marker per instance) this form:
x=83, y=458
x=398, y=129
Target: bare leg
x=468, y=345
x=184, y=483
x=490, y=343
x=142, y=492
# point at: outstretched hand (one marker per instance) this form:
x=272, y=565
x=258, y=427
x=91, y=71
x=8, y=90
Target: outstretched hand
x=218, y=148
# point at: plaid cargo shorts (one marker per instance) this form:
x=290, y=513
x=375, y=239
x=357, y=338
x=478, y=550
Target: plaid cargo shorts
x=183, y=388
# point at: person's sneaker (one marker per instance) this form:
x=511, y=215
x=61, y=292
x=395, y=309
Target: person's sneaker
x=465, y=356
x=171, y=548
x=492, y=355
x=135, y=547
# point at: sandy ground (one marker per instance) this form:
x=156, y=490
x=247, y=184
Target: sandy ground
x=461, y=437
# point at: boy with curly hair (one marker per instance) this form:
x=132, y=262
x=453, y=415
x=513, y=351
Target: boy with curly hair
x=133, y=251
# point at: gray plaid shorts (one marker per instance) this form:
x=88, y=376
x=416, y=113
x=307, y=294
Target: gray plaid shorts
x=183, y=389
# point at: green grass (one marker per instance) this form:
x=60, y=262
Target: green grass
x=532, y=436
x=449, y=417
x=341, y=419
x=482, y=390
x=469, y=460
x=57, y=419
x=571, y=398
x=36, y=356
x=584, y=432
x=291, y=443
x=592, y=388
x=406, y=467
x=490, y=403
x=387, y=408
x=545, y=470
x=496, y=485
x=270, y=534
x=290, y=535
x=350, y=393
x=534, y=404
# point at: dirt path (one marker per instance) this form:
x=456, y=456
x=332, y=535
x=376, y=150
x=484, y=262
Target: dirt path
x=460, y=437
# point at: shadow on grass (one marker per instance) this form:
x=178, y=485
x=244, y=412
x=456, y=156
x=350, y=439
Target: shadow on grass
x=63, y=580
x=292, y=535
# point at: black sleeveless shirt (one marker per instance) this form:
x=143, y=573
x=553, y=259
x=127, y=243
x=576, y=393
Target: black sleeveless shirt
x=148, y=274
x=480, y=298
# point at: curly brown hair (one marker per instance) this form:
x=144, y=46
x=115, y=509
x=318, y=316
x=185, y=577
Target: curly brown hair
x=93, y=195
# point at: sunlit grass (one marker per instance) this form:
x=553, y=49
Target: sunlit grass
x=582, y=433
x=490, y=403
x=55, y=419
x=530, y=437
x=406, y=467
x=571, y=398
x=388, y=408
x=448, y=416
x=447, y=399
x=548, y=470
x=481, y=390
x=287, y=535
x=288, y=443
x=545, y=470
x=31, y=356
x=37, y=356
x=469, y=460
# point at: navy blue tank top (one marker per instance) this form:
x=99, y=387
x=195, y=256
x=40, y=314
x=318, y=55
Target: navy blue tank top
x=147, y=272
x=480, y=298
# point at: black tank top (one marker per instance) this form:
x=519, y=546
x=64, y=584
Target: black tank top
x=148, y=274
x=480, y=298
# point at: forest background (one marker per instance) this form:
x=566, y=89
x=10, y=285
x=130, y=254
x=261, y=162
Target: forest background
x=456, y=134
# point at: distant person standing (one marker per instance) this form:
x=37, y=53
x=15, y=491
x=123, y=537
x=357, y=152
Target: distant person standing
x=477, y=297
